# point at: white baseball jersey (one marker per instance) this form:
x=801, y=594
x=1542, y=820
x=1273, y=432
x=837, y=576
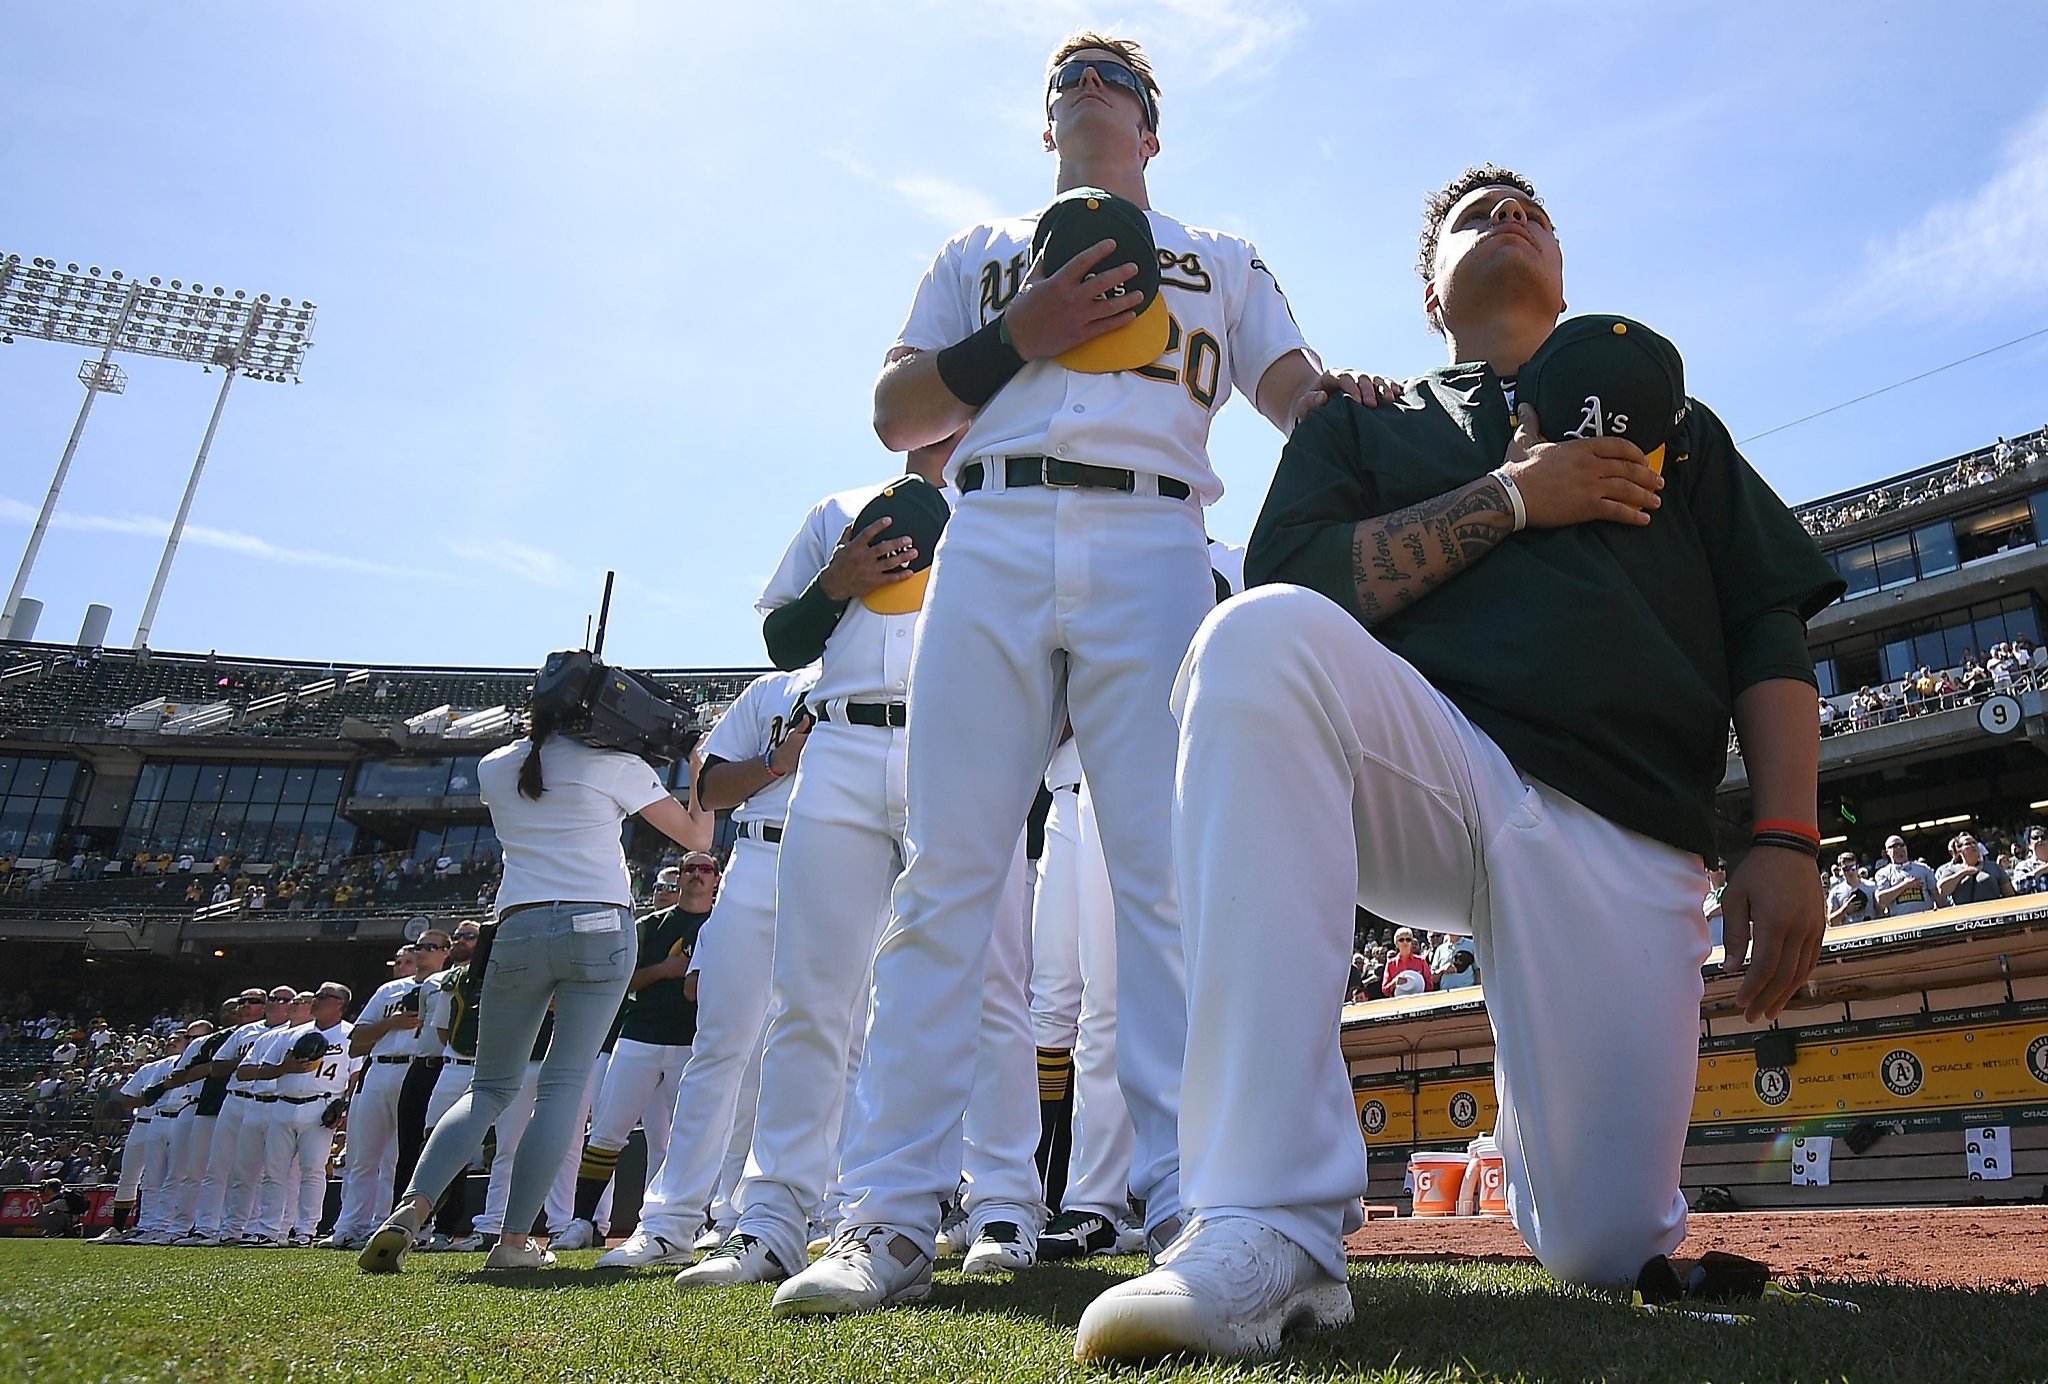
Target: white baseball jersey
x=238, y=1047
x=175, y=1100
x=330, y=1077
x=269, y=1050
x=756, y=720
x=867, y=658
x=146, y=1076
x=1230, y=323
x=385, y=1001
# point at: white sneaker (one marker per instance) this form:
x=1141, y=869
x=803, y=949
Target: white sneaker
x=580, y=1234
x=1000, y=1248
x=953, y=1237
x=519, y=1252
x=109, y=1236
x=741, y=1259
x=340, y=1241
x=708, y=1239
x=193, y=1239
x=644, y=1249
x=471, y=1243
x=866, y=1267
x=385, y=1250
x=1228, y=1287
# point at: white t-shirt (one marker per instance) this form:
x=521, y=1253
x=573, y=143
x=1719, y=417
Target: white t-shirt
x=565, y=844
x=1231, y=323
x=757, y=716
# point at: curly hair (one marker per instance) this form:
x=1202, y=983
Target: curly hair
x=1438, y=205
x=1127, y=51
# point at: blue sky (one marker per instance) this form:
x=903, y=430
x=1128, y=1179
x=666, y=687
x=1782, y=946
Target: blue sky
x=607, y=284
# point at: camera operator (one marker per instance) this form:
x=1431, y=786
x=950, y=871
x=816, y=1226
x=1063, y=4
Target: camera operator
x=564, y=933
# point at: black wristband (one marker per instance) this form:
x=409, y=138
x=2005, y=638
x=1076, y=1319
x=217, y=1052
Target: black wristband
x=1785, y=840
x=975, y=368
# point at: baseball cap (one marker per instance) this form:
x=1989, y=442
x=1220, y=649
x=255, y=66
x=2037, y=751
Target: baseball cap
x=1086, y=216
x=1605, y=376
x=915, y=510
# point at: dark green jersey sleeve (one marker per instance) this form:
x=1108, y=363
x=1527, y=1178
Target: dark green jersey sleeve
x=796, y=633
x=1321, y=489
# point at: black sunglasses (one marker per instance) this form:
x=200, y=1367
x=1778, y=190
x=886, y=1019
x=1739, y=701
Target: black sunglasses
x=1114, y=74
x=700, y=869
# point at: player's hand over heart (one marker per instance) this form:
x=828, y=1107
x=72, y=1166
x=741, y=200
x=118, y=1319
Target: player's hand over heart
x=789, y=750
x=1054, y=313
x=1580, y=479
x=860, y=563
x=1773, y=912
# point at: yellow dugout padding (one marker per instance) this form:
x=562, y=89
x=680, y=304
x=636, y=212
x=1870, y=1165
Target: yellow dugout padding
x=1446, y=1109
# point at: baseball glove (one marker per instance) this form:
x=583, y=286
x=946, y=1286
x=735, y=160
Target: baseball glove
x=309, y=1046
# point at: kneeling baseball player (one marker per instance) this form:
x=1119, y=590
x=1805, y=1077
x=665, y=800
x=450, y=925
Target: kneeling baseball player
x=1487, y=693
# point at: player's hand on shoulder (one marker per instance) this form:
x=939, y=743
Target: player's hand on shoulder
x=865, y=561
x=1054, y=313
x=1580, y=480
x=1356, y=385
x=1772, y=912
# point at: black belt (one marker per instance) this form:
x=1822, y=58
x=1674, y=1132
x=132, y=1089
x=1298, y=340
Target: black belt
x=405, y=1058
x=266, y=1100
x=300, y=1100
x=1066, y=475
x=430, y=1063
x=869, y=714
x=245, y=1095
x=761, y=831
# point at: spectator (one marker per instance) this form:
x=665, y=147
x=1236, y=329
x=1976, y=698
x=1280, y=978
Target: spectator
x=1851, y=900
x=1710, y=906
x=60, y=1211
x=2031, y=875
x=1904, y=885
x=1971, y=876
x=1463, y=969
x=1406, y=973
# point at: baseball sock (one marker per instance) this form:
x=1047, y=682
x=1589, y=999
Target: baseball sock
x=1055, y=1120
x=122, y=1211
x=593, y=1175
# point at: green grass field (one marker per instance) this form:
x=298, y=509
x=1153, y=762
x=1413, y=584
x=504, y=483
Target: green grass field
x=72, y=1311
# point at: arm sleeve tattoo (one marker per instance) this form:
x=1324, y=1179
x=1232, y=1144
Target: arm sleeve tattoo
x=1398, y=558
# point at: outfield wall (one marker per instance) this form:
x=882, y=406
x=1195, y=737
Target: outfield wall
x=1909, y=1032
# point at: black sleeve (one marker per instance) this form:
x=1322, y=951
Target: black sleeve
x=796, y=633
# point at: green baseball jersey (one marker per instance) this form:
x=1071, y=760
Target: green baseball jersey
x=660, y=1013
x=466, y=985
x=1603, y=658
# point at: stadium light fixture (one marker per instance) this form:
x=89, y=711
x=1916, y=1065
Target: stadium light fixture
x=258, y=336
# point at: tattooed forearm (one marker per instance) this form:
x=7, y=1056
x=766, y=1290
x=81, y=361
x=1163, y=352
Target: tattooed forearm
x=1440, y=537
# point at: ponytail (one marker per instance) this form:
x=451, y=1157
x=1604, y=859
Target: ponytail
x=530, y=785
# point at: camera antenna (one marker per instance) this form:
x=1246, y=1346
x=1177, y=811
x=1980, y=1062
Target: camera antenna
x=604, y=611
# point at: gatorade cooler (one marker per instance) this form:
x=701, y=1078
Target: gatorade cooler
x=1486, y=1177
x=1437, y=1178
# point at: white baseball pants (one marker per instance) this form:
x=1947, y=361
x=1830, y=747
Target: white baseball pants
x=559, y=1206
x=294, y=1189
x=1319, y=771
x=1044, y=604
x=215, y=1182
x=1073, y=999
x=144, y=1148
x=639, y=1088
x=188, y=1167
x=733, y=961
x=159, y=1207
x=366, y=1193
x=841, y=853
x=1001, y=1123
x=251, y=1141
x=451, y=1084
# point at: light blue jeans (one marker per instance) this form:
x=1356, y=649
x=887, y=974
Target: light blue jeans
x=580, y=956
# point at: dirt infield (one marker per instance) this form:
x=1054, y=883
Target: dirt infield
x=1967, y=1247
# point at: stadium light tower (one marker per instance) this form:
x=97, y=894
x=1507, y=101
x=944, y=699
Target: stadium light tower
x=257, y=337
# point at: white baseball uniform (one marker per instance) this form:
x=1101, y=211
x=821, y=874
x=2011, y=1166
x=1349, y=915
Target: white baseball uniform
x=172, y=1117
x=715, y=1096
x=241, y=1215
x=219, y=1187
x=366, y=1184
x=297, y=1144
x=1048, y=603
x=143, y=1155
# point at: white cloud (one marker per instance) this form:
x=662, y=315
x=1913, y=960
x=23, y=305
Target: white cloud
x=1238, y=40
x=952, y=205
x=226, y=540
x=522, y=560
x=1973, y=253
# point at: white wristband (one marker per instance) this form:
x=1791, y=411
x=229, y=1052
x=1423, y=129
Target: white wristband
x=1521, y=510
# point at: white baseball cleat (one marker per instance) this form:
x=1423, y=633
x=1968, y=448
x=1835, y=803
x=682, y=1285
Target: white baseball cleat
x=1227, y=1287
x=1080, y=1235
x=1002, y=1247
x=643, y=1249
x=710, y=1238
x=866, y=1267
x=194, y=1239
x=581, y=1234
x=109, y=1236
x=741, y=1259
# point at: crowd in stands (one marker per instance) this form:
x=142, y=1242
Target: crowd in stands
x=2010, y=666
x=1979, y=468
x=1391, y=962
x=307, y=885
